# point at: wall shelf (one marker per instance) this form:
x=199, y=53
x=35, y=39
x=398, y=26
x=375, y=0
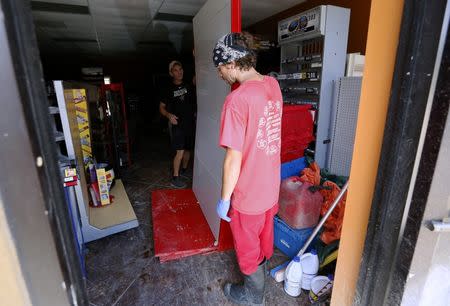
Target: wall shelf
x=117, y=213
x=314, y=58
x=99, y=222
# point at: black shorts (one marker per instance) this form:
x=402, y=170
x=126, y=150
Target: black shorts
x=182, y=138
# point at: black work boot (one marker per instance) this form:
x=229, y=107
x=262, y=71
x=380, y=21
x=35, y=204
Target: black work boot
x=252, y=291
x=177, y=182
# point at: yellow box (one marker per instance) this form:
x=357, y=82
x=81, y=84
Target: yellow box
x=103, y=186
x=81, y=111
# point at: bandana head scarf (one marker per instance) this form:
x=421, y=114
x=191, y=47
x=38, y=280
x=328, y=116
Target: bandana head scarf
x=227, y=50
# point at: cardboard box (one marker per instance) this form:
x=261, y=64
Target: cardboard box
x=103, y=187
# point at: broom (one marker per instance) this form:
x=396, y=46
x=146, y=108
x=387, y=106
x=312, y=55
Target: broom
x=314, y=233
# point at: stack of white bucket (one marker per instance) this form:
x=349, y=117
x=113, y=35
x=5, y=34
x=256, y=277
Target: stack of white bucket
x=300, y=272
x=310, y=266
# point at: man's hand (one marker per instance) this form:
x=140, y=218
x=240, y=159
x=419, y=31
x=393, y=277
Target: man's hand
x=222, y=208
x=173, y=119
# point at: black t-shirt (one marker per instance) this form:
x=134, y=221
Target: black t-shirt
x=180, y=101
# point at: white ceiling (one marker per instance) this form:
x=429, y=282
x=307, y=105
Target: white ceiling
x=257, y=10
x=116, y=27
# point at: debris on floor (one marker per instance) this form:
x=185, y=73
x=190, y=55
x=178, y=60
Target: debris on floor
x=122, y=269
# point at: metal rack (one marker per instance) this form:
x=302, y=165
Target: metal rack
x=115, y=112
x=313, y=52
x=96, y=223
x=58, y=127
x=345, y=115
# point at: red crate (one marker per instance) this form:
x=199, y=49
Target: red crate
x=296, y=131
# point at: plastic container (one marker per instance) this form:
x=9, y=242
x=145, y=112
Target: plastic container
x=310, y=267
x=320, y=288
x=293, y=278
x=289, y=240
x=299, y=207
x=292, y=168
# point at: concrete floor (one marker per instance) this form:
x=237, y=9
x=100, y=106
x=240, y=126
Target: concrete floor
x=122, y=269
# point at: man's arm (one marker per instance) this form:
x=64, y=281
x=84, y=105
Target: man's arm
x=231, y=171
x=162, y=109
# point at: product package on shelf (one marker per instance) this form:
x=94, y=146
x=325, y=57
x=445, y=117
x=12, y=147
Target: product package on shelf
x=81, y=111
x=70, y=177
x=101, y=184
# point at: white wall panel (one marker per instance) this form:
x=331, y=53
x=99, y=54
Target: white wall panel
x=206, y=191
x=207, y=150
x=211, y=22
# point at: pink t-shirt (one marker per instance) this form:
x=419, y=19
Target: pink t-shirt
x=251, y=124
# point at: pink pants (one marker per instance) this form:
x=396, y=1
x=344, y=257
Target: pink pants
x=253, y=238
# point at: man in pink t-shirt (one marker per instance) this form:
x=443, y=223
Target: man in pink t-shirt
x=251, y=134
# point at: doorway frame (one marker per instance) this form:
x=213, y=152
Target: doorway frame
x=408, y=157
x=29, y=79
x=379, y=183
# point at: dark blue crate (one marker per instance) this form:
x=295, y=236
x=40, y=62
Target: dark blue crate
x=292, y=168
x=289, y=240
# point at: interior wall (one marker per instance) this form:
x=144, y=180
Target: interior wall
x=210, y=23
x=375, y=94
x=359, y=21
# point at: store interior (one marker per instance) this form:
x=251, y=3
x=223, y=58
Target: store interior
x=105, y=64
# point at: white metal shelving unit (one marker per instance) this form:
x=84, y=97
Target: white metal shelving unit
x=96, y=223
x=346, y=97
x=313, y=53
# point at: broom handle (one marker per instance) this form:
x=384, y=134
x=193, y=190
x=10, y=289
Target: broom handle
x=324, y=218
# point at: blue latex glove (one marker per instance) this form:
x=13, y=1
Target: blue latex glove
x=222, y=208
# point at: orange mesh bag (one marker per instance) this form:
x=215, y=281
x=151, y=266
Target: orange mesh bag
x=333, y=225
x=311, y=175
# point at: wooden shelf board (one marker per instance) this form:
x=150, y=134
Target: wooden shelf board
x=119, y=212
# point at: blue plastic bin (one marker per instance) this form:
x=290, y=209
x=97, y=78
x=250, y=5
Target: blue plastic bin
x=292, y=168
x=289, y=240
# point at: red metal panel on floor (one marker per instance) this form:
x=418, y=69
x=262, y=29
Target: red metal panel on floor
x=179, y=226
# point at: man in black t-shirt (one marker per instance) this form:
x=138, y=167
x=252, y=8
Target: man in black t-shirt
x=177, y=104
